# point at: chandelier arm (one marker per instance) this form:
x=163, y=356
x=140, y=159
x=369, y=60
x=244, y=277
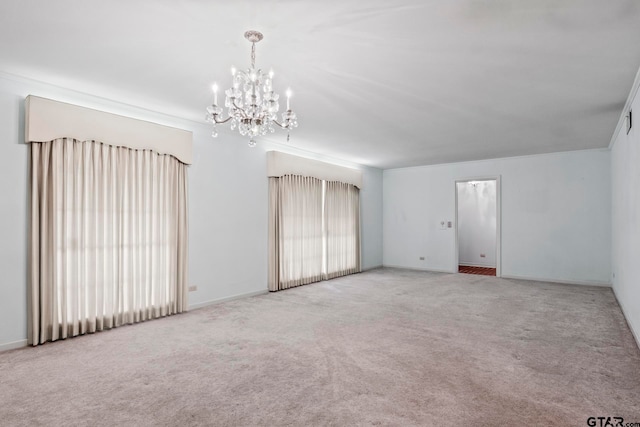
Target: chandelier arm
x=241, y=110
x=281, y=125
x=215, y=119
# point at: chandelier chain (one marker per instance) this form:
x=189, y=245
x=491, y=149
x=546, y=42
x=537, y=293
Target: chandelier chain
x=253, y=55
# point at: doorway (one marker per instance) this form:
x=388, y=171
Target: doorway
x=478, y=226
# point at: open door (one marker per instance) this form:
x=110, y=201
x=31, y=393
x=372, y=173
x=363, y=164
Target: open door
x=478, y=226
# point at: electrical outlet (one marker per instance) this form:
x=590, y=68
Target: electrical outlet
x=193, y=288
x=483, y=256
x=421, y=258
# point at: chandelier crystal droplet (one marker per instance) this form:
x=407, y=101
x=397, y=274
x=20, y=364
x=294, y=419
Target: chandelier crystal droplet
x=252, y=106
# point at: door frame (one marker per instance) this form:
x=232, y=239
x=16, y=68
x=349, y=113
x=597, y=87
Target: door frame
x=497, y=179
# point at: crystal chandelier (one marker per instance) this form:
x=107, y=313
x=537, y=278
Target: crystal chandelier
x=252, y=106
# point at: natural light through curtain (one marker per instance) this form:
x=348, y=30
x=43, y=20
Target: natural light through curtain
x=108, y=237
x=300, y=230
x=342, y=229
x=314, y=230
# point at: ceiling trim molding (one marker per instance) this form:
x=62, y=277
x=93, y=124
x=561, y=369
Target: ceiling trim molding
x=494, y=159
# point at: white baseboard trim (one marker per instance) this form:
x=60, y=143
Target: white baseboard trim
x=225, y=299
x=568, y=282
x=533, y=279
x=432, y=270
x=13, y=345
x=634, y=332
x=371, y=268
x=23, y=343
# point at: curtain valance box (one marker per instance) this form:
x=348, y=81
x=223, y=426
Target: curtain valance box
x=47, y=120
x=281, y=164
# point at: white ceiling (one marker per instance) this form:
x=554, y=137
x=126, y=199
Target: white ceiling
x=382, y=83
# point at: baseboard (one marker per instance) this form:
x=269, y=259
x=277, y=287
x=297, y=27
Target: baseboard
x=225, y=299
x=635, y=333
x=23, y=343
x=13, y=345
x=432, y=270
x=533, y=279
x=371, y=268
x=568, y=282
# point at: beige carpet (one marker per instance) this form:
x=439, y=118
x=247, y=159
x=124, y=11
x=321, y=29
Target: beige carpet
x=386, y=347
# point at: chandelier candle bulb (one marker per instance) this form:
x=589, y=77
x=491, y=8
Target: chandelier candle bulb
x=215, y=94
x=288, y=99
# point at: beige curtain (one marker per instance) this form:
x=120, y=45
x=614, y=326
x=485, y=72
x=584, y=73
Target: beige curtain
x=108, y=237
x=342, y=224
x=295, y=231
x=314, y=230
x=273, y=281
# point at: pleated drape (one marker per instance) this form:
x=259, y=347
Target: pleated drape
x=108, y=237
x=299, y=231
x=342, y=224
x=312, y=235
x=273, y=280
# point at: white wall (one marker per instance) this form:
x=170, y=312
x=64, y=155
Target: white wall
x=227, y=206
x=477, y=223
x=625, y=189
x=556, y=213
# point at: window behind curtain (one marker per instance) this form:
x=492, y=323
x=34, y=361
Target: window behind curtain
x=108, y=237
x=342, y=227
x=314, y=230
x=300, y=225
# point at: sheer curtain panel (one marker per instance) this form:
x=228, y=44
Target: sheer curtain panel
x=295, y=231
x=342, y=224
x=108, y=237
x=314, y=230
